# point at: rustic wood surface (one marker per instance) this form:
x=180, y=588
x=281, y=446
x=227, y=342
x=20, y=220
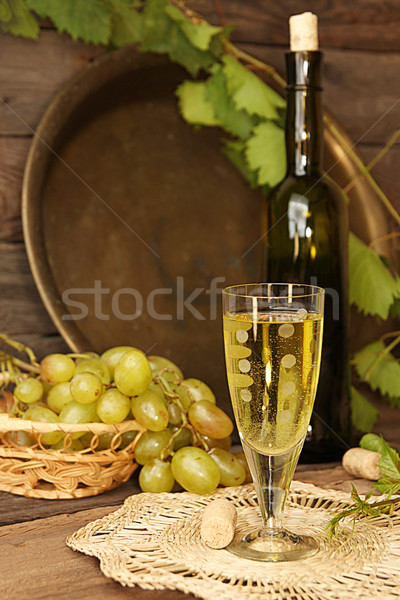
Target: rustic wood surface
x=37, y=563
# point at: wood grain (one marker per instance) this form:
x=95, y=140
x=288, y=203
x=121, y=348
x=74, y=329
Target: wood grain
x=32, y=72
x=13, y=153
x=36, y=563
x=365, y=24
x=22, y=313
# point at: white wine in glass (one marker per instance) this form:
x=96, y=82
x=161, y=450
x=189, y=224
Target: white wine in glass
x=273, y=338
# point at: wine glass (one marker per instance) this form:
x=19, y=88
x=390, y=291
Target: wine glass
x=273, y=338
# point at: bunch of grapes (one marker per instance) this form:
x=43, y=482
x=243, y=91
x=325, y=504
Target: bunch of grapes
x=187, y=439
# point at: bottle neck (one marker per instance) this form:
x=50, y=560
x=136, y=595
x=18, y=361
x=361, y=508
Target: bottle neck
x=304, y=113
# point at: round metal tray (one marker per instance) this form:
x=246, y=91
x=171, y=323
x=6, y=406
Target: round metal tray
x=121, y=197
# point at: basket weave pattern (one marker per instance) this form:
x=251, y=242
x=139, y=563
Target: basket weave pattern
x=153, y=541
x=38, y=472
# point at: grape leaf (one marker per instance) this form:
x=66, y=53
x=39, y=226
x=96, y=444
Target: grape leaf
x=164, y=35
x=265, y=153
x=199, y=34
x=363, y=413
x=235, y=151
x=89, y=20
x=385, y=375
x=389, y=462
x=237, y=122
x=194, y=106
x=395, y=309
x=393, y=401
x=372, y=288
x=16, y=18
x=249, y=92
x=126, y=23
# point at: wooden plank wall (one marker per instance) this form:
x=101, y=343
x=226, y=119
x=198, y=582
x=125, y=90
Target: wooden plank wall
x=361, y=41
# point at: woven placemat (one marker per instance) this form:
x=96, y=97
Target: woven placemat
x=153, y=541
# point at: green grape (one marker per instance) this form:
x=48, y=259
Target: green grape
x=150, y=445
x=232, y=471
x=156, y=476
x=29, y=390
x=179, y=390
x=159, y=363
x=113, y=407
x=56, y=368
x=127, y=438
x=86, y=439
x=112, y=356
x=183, y=438
x=75, y=412
x=195, y=471
x=58, y=396
x=174, y=414
x=86, y=387
x=22, y=438
x=150, y=411
x=196, y=390
x=156, y=387
x=241, y=457
x=103, y=441
x=132, y=373
x=210, y=420
x=95, y=366
x=74, y=446
x=224, y=443
x=86, y=355
x=44, y=415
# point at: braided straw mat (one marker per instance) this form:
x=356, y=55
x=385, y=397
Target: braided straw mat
x=153, y=541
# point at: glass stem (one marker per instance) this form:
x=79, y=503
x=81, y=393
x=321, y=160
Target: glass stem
x=272, y=475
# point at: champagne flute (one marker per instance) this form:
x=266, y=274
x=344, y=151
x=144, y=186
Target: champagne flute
x=273, y=339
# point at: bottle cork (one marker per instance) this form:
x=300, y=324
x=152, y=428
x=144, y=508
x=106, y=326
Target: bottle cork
x=303, y=32
x=218, y=523
x=362, y=463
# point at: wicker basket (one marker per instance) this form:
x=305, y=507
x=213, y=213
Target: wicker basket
x=38, y=472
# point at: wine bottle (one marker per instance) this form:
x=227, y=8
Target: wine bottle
x=305, y=234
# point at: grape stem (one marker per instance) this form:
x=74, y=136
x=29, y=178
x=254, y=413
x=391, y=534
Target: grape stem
x=174, y=397
x=21, y=348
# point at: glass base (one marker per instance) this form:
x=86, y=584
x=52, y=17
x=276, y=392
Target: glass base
x=273, y=546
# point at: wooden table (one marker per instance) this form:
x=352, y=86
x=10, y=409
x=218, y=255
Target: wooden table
x=36, y=564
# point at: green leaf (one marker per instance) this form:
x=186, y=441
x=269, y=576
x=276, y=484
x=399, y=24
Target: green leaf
x=266, y=153
x=126, y=23
x=385, y=375
x=373, y=442
x=388, y=486
x=193, y=104
x=372, y=288
x=199, y=34
x=393, y=401
x=89, y=20
x=237, y=122
x=16, y=18
x=249, y=92
x=389, y=463
x=395, y=308
x=235, y=151
x=164, y=35
x=363, y=413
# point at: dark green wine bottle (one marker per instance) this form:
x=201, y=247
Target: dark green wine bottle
x=305, y=233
